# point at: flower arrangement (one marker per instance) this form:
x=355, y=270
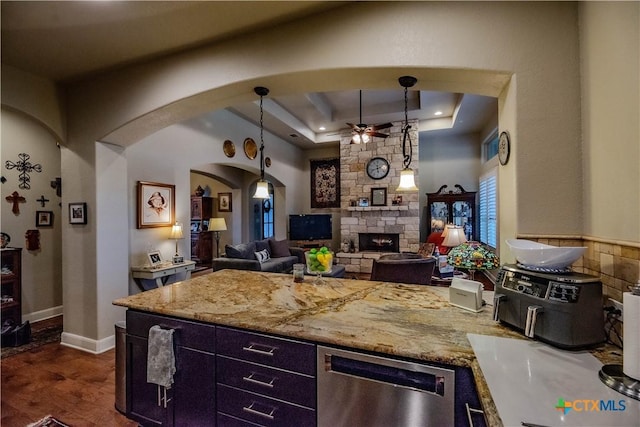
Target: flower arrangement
x=472, y=256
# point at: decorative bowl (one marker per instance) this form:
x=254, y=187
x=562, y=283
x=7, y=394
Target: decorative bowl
x=536, y=254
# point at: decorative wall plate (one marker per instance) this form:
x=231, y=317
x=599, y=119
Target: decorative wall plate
x=250, y=148
x=229, y=148
x=504, y=148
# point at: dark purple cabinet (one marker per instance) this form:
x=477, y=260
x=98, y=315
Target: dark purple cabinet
x=191, y=399
x=264, y=380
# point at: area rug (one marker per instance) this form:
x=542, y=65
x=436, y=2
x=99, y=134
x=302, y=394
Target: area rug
x=38, y=337
x=48, y=421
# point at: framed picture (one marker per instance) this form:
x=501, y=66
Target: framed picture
x=195, y=226
x=325, y=183
x=155, y=258
x=224, y=202
x=77, y=213
x=44, y=218
x=363, y=202
x=156, y=204
x=379, y=196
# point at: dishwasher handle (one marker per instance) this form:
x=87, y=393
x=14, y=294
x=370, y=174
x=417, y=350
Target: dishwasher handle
x=395, y=376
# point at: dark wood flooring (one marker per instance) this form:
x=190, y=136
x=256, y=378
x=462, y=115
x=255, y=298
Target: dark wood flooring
x=76, y=387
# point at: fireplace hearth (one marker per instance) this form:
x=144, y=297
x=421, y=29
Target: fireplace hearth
x=379, y=242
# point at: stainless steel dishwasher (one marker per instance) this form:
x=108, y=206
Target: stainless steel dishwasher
x=356, y=389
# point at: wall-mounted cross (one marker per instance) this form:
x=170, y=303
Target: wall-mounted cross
x=15, y=198
x=42, y=200
x=24, y=166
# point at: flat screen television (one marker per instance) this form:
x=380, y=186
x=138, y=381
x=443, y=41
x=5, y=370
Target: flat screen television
x=310, y=227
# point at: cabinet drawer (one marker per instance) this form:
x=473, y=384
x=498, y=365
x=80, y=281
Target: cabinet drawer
x=188, y=334
x=277, y=383
x=277, y=352
x=262, y=410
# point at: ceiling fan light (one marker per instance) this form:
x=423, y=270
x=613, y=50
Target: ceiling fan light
x=407, y=181
x=262, y=190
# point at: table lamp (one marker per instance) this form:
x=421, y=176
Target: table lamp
x=217, y=225
x=176, y=233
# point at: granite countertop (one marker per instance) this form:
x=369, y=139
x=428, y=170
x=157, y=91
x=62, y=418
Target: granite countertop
x=412, y=321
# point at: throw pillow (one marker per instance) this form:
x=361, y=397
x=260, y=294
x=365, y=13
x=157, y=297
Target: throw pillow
x=241, y=251
x=279, y=248
x=262, y=255
x=261, y=245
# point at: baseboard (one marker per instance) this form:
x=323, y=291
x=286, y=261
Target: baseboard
x=38, y=316
x=86, y=344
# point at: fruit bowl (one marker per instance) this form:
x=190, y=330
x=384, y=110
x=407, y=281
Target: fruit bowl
x=534, y=254
x=319, y=261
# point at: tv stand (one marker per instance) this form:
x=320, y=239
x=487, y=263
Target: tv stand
x=309, y=244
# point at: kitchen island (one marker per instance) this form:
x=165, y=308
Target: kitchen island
x=406, y=321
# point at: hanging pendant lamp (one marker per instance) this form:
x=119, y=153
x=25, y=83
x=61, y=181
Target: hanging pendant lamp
x=407, y=177
x=262, y=186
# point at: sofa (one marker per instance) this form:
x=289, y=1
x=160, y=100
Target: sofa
x=268, y=255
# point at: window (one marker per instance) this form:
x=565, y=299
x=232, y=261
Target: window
x=491, y=147
x=267, y=215
x=488, y=208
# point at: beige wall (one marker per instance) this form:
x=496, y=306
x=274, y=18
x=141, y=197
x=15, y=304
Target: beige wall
x=610, y=51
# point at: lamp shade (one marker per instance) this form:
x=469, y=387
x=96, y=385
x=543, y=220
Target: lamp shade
x=217, y=224
x=445, y=230
x=262, y=190
x=176, y=231
x=455, y=237
x=407, y=181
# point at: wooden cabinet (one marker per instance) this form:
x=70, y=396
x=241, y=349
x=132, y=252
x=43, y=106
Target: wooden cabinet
x=452, y=207
x=12, y=284
x=191, y=399
x=202, y=210
x=264, y=380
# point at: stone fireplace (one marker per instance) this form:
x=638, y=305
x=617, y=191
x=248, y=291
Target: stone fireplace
x=379, y=242
x=401, y=220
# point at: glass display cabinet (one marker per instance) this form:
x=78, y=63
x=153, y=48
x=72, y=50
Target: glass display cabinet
x=452, y=207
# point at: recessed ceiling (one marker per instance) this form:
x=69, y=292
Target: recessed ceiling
x=67, y=41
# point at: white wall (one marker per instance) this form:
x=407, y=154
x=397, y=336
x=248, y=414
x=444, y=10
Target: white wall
x=41, y=269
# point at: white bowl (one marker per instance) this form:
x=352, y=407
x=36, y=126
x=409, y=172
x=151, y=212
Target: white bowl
x=537, y=254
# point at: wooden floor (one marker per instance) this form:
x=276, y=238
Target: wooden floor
x=76, y=387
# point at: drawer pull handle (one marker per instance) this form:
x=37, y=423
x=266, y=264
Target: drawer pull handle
x=264, y=350
x=250, y=410
x=251, y=379
x=469, y=411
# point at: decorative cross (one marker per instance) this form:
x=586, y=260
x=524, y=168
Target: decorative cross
x=15, y=198
x=24, y=166
x=42, y=200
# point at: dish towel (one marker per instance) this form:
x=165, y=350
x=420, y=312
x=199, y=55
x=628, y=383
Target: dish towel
x=161, y=362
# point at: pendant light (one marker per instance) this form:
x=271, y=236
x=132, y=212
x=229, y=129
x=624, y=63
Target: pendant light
x=262, y=186
x=360, y=136
x=407, y=178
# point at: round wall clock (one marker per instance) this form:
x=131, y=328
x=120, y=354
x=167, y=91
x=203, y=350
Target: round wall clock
x=378, y=167
x=504, y=148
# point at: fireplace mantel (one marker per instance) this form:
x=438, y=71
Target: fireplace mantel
x=378, y=208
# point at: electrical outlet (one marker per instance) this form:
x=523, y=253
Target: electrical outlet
x=618, y=305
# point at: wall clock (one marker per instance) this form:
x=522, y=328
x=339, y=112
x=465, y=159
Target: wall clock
x=377, y=167
x=504, y=148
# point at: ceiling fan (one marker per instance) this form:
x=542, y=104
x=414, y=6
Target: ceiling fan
x=362, y=133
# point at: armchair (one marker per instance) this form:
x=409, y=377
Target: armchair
x=403, y=268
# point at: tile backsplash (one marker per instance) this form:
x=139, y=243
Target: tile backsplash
x=617, y=263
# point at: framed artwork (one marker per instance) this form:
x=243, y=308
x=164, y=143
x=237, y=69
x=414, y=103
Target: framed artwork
x=325, y=183
x=155, y=258
x=156, y=204
x=224, y=202
x=195, y=226
x=378, y=196
x=77, y=213
x=44, y=218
